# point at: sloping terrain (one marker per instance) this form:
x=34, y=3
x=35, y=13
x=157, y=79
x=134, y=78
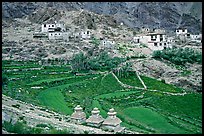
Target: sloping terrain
x=56, y=88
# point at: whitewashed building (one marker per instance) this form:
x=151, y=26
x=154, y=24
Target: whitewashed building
x=170, y=42
x=53, y=27
x=85, y=34
x=181, y=31
x=58, y=35
x=196, y=38
x=155, y=41
x=145, y=30
x=136, y=39
x=107, y=43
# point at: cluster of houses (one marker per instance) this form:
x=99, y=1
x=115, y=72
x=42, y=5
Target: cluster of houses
x=57, y=31
x=154, y=39
x=183, y=34
x=111, y=123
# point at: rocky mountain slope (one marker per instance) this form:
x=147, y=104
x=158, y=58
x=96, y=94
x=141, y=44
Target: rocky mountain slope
x=168, y=15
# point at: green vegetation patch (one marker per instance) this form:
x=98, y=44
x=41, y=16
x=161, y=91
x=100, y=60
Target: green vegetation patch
x=151, y=119
x=53, y=98
x=154, y=84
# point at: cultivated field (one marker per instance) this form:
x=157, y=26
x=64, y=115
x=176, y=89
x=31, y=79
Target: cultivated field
x=161, y=108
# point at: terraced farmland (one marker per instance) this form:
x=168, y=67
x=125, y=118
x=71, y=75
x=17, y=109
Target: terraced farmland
x=161, y=108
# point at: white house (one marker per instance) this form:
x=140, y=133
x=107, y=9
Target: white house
x=170, y=41
x=52, y=27
x=45, y=27
x=55, y=36
x=196, y=38
x=108, y=43
x=155, y=41
x=85, y=34
x=58, y=35
x=181, y=31
x=145, y=30
x=136, y=39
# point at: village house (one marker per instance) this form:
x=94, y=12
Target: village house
x=196, y=37
x=57, y=35
x=95, y=119
x=55, y=31
x=170, y=42
x=155, y=41
x=181, y=31
x=144, y=30
x=112, y=123
x=136, y=39
x=53, y=27
x=85, y=34
x=78, y=117
x=107, y=43
x=183, y=35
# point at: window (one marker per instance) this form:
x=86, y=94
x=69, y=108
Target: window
x=155, y=44
x=138, y=40
x=177, y=30
x=160, y=44
x=153, y=38
x=49, y=25
x=52, y=25
x=44, y=25
x=183, y=30
x=51, y=34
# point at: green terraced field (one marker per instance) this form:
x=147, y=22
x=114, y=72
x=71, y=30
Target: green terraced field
x=151, y=119
x=144, y=111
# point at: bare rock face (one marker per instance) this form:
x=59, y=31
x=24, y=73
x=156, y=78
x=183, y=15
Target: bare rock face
x=45, y=15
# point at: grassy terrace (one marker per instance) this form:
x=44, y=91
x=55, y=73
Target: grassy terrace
x=142, y=111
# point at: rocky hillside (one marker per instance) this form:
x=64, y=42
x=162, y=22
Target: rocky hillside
x=168, y=15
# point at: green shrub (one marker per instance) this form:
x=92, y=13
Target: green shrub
x=99, y=61
x=43, y=125
x=179, y=56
